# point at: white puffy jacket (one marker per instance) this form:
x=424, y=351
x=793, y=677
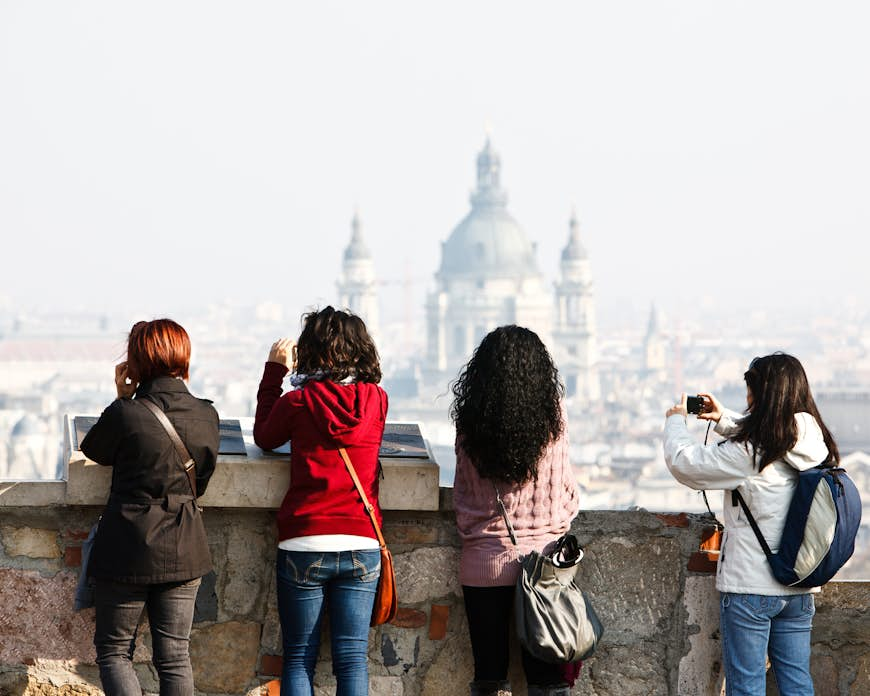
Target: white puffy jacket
x=743, y=567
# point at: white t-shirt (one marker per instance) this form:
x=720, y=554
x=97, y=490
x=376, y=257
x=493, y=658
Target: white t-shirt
x=329, y=542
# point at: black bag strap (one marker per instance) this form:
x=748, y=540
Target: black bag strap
x=503, y=511
x=187, y=462
x=735, y=495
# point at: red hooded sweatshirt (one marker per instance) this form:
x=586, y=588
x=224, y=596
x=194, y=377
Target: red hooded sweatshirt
x=318, y=419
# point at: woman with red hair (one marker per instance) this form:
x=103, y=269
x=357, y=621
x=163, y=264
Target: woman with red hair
x=150, y=549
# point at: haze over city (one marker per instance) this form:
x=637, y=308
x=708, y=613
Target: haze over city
x=716, y=155
x=205, y=161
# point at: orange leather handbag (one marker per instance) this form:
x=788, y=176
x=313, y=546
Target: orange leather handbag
x=386, y=602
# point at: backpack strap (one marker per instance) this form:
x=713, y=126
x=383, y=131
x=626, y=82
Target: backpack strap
x=187, y=462
x=735, y=495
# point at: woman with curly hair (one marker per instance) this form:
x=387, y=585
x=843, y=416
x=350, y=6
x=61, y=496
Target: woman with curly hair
x=512, y=445
x=328, y=555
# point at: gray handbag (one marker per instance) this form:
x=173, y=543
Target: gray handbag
x=555, y=619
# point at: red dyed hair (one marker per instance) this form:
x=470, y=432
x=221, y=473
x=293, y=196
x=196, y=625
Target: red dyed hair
x=158, y=348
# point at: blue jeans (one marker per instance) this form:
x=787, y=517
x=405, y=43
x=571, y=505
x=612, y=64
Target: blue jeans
x=345, y=581
x=754, y=627
x=119, y=606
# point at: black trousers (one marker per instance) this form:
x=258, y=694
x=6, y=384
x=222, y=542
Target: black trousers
x=489, y=610
x=119, y=607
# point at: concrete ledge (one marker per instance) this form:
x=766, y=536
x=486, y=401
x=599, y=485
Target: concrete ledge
x=258, y=480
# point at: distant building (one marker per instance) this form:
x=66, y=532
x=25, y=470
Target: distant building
x=489, y=277
x=574, y=335
x=357, y=287
x=31, y=452
x=847, y=413
x=654, y=347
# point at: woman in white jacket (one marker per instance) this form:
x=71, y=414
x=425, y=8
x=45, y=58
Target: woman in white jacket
x=780, y=434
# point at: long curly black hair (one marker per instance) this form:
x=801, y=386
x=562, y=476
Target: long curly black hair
x=506, y=404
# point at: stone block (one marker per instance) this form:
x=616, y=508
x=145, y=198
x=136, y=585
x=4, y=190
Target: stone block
x=399, y=651
x=451, y=669
x=72, y=556
x=409, y=618
x=438, y=618
x=270, y=665
x=409, y=484
x=270, y=641
x=224, y=656
x=414, y=531
x=35, y=494
x=385, y=686
x=861, y=684
x=826, y=676
x=30, y=542
x=638, y=670
x=700, y=669
x=37, y=688
x=243, y=581
x=427, y=575
x=633, y=584
x=54, y=631
x=257, y=480
x=673, y=519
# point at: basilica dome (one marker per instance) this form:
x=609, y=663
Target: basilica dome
x=488, y=242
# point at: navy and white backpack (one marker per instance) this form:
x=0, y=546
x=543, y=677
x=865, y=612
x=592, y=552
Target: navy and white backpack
x=820, y=528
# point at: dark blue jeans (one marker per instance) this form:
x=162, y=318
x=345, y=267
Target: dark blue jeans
x=119, y=606
x=345, y=582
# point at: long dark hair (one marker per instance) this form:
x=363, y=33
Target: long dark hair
x=337, y=343
x=506, y=404
x=779, y=389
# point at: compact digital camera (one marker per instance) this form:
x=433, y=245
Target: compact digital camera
x=695, y=404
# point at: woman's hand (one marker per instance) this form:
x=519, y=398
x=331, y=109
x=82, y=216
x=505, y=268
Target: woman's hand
x=124, y=388
x=713, y=408
x=678, y=409
x=283, y=352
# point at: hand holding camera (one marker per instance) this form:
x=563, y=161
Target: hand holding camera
x=704, y=405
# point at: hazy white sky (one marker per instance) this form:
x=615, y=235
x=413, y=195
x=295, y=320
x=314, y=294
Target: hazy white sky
x=171, y=154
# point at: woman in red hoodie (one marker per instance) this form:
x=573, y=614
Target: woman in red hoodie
x=327, y=545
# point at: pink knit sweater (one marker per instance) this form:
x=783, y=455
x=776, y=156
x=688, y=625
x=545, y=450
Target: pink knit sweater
x=540, y=511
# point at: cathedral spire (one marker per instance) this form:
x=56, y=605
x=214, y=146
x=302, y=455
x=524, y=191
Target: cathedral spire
x=574, y=249
x=357, y=248
x=489, y=190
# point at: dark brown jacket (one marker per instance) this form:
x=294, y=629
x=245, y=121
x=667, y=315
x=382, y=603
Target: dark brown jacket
x=151, y=530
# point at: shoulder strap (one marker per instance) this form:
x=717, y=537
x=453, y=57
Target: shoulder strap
x=187, y=462
x=735, y=495
x=503, y=510
x=362, y=494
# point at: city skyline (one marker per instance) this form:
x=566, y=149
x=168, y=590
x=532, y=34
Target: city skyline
x=715, y=155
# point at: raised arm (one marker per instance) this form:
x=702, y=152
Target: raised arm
x=722, y=466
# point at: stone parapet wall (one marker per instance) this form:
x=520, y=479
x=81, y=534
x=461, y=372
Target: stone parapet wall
x=661, y=618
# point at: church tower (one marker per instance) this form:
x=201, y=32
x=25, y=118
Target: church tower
x=575, y=334
x=488, y=277
x=357, y=287
x=654, y=347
